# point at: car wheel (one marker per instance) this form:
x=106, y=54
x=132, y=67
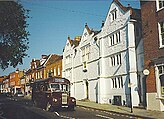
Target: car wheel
x=71, y=108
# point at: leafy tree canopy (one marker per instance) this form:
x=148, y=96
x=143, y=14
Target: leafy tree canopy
x=13, y=33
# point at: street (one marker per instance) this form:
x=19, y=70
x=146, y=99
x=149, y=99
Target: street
x=20, y=108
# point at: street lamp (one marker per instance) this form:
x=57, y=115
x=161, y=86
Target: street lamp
x=131, y=106
x=146, y=72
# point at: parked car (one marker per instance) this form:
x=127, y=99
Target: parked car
x=9, y=94
x=19, y=94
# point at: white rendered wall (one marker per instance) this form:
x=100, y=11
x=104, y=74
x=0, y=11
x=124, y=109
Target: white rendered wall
x=128, y=54
x=132, y=64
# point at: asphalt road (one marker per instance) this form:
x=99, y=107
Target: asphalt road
x=20, y=108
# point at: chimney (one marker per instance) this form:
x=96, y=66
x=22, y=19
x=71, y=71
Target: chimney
x=86, y=24
x=129, y=5
x=17, y=70
x=77, y=38
x=68, y=37
x=44, y=56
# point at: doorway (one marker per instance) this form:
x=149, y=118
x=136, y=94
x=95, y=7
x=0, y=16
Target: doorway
x=117, y=100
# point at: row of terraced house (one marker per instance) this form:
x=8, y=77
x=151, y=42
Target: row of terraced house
x=19, y=81
x=121, y=64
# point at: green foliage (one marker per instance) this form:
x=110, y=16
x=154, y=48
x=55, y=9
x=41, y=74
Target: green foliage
x=13, y=33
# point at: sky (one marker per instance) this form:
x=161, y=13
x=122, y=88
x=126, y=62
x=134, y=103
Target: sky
x=52, y=21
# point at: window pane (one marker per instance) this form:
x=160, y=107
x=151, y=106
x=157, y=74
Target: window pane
x=122, y=82
x=120, y=58
x=54, y=71
x=116, y=38
x=113, y=60
x=115, y=82
x=111, y=41
x=161, y=3
x=162, y=39
x=119, y=37
x=161, y=32
x=119, y=82
x=162, y=27
x=160, y=69
x=115, y=14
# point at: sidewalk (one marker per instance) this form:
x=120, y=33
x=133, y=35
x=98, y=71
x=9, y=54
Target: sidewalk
x=122, y=110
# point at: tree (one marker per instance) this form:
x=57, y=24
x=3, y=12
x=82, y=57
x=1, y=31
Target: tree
x=13, y=34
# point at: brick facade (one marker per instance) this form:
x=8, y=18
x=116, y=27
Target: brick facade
x=153, y=53
x=54, y=66
x=150, y=19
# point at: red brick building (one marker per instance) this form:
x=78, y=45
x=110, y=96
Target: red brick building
x=53, y=66
x=1, y=83
x=152, y=13
x=47, y=65
x=6, y=84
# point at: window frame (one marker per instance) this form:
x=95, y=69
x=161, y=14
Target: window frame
x=158, y=5
x=115, y=38
x=116, y=60
x=113, y=14
x=85, y=53
x=117, y=82
x=160, y=69
x=161, y=34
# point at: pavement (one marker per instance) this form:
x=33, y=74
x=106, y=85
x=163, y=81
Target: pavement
x=140, y=113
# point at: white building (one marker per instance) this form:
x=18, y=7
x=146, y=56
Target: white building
x=103, y=64
x=81, y=65
x=120, y=37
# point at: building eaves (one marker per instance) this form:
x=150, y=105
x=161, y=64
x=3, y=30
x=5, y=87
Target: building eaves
x=135, y=14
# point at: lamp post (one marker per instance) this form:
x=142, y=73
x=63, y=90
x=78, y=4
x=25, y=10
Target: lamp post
x=146, y=72
x=131, y=106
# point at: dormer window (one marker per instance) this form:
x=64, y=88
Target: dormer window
x=113, y=15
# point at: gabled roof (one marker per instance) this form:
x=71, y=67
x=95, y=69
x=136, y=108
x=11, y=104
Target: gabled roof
x=134, y=13
x=28, y=71
x=70, y=41
x=74, y=42
x=46, y=59
x=92, y=30
x=53, y=58
x=88, y=29
x=120, y=5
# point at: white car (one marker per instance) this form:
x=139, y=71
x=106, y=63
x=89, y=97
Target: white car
x=19, y=94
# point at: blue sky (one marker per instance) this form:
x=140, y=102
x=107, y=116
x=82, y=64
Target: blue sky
x=54, y=20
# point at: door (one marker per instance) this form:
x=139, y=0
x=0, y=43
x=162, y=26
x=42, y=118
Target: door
x=117, y=100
